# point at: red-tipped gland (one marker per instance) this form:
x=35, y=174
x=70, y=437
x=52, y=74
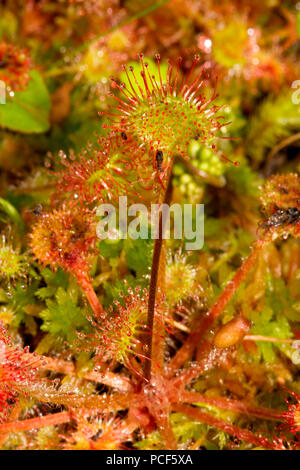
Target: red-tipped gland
x=17, y=370
x=15, y=65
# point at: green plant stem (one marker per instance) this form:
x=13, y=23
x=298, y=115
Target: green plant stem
x=12, y=212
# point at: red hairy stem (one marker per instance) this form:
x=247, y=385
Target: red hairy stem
x=105, y=402
x=231, y=287
x=232, y=405
x=35, y=423
x=85, y=282
x=211, y=357
x=164, y=427
x=231, y=429
x=150, y=340
x=195, y=337
x=107, y=378
x=187, y=375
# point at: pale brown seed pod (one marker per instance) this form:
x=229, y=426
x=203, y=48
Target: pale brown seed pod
x=232, y=333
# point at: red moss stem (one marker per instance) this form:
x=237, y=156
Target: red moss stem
x=232, y=405
x=195, y=337
x=231, y=429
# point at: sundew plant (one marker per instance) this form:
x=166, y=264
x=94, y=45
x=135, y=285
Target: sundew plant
x=118, y=339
